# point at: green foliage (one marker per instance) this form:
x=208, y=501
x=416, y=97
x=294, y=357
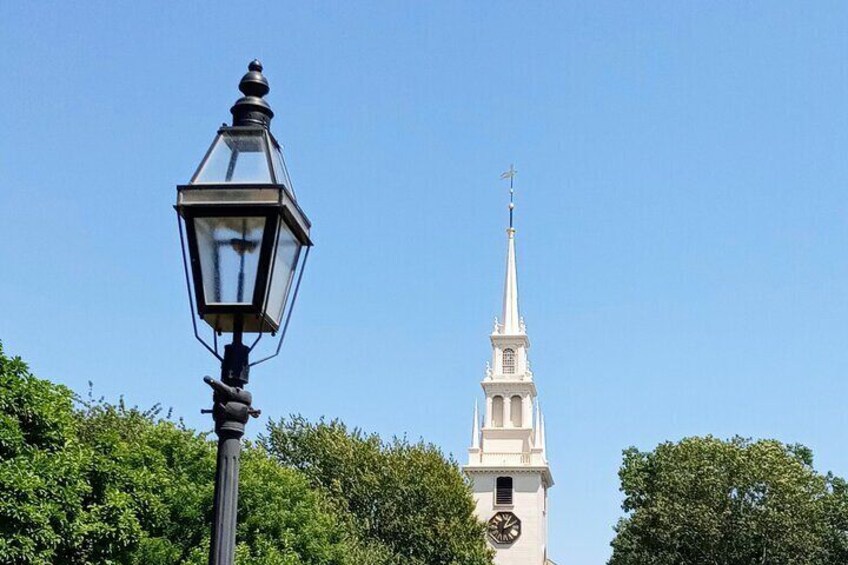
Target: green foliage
x=738, y=502
x=158, y=473
x=92, y=482
x=41, y=507
x=406, y=499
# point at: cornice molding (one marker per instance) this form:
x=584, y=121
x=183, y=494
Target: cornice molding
x=509, y=386
x=501, y=339
x=544, y=470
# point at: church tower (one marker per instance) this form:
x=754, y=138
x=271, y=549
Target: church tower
x=507, y=461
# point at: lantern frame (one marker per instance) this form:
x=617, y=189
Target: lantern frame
x=275, y=203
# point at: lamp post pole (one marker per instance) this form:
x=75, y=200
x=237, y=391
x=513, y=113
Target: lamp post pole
x=231, y=410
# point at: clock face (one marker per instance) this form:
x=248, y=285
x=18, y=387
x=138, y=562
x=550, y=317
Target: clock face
x=504, y=527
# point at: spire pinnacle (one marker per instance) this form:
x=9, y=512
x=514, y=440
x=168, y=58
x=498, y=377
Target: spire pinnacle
x=537, y=436
x=543, y=434
x=475, y=429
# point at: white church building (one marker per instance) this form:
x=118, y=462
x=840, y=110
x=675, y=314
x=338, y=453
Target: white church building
x=507, y=462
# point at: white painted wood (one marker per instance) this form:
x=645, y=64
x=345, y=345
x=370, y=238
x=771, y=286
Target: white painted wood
x=517, y=452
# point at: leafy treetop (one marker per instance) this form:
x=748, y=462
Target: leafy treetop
x=739, y=502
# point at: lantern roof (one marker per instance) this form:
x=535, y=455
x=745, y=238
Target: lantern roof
x=246, y=153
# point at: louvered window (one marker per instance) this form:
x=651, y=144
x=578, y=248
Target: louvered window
x=508, y=361
x=503, y=491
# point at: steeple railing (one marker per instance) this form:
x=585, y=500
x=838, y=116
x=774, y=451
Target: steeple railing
x=504, y=458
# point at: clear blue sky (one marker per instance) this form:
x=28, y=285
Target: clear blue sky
x=682, y=214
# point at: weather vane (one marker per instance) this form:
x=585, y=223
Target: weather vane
x=510, y=174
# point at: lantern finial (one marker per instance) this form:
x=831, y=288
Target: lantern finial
x=251, y=109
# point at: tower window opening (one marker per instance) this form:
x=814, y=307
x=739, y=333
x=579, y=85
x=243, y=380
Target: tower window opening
x=515, y=405
x=498, y=411
x=508, y=361
x=503, y=491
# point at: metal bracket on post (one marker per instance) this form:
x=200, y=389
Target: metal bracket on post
x=232, y=407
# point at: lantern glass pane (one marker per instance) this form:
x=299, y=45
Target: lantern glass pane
x=282, y=272
x=280, y=170
x=229, y=249
x=236, y=157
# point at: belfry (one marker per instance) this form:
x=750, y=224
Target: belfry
x=507, y=462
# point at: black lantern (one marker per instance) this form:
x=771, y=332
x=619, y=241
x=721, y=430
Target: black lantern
x=245, y=232
x=245, y=246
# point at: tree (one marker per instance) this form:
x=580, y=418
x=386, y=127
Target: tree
x=93, y=482
x=406, y=498
x=41, y=495
x=737, y=502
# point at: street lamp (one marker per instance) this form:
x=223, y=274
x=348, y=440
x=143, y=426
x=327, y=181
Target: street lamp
x=245, y=242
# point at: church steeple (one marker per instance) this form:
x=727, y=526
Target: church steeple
x=507, y=460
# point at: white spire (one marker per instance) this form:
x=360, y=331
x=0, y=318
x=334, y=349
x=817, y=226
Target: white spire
x=537, y=437
x=511, y=320
x=475, y=430
x=543, y=434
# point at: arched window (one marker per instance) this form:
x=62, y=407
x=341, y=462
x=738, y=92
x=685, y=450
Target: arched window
x=498, y=411
x=503, y=491
x=508, y=361
x=515, y=405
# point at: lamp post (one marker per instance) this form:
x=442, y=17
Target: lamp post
x=245, y=243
